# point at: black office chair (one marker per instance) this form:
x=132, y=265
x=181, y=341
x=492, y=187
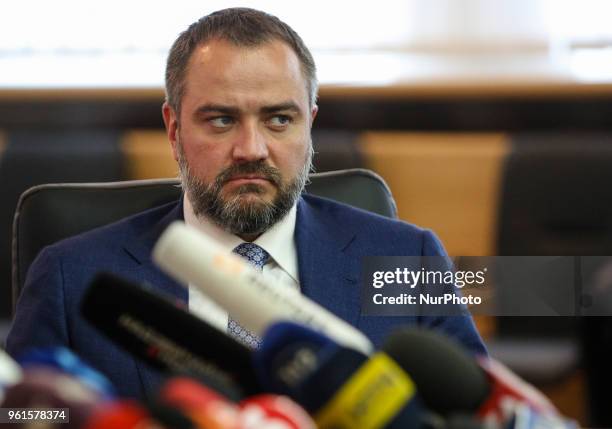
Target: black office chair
x=557, y=201
x=34, y=156
x=48, y=213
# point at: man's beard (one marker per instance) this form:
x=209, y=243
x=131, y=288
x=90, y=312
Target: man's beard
x=233, y=213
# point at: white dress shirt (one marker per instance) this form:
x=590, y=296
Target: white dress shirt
x=281, y=268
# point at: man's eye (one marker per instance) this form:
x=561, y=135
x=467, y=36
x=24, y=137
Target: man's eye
x=279, y=121
x=221, y=121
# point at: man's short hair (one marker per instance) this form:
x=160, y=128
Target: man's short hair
x=243, y=27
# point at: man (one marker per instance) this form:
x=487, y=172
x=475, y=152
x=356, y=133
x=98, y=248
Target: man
x=241, y=92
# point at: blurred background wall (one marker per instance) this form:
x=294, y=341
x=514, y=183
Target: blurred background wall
x=484, y=117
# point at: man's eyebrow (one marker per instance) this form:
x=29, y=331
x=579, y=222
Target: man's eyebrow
x=289, y=105
x=230, y=110
x=217, y=108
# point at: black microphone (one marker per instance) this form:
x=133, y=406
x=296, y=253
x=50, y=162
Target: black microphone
x=453, y=382
x=170, y=416
x=341, y=387
x=167, y=337
x=449, y=380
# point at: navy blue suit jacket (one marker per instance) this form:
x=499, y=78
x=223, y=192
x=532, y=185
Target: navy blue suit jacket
x=331, y=239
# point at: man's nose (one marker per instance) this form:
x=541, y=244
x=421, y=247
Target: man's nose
x=250, y=144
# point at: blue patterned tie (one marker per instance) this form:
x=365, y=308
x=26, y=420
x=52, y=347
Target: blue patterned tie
x=257, y=257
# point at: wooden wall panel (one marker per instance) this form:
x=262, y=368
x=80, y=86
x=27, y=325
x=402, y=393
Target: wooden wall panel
x=448, y=182
x=2, y=142
x=148, y=155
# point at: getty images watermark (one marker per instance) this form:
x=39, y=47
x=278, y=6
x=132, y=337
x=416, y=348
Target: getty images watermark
x=494, y=285
x=427, y=277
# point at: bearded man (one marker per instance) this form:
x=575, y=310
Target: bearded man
x=240, y=102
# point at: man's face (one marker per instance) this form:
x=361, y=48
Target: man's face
x=243, y=139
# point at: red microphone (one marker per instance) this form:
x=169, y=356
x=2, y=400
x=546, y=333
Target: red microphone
x=273, y=412
x=506, y=390
x=206, y=407
x=124, y=414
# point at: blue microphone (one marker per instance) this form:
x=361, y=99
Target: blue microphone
x=65, y=361
x=339, y=386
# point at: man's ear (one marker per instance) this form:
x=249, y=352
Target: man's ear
x=313, y=114
x=171, y=123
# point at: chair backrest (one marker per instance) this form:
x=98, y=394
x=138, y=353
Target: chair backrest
x=556, y=200
x=48, y=213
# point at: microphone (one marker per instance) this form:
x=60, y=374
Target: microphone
x=269, y=411
x=63, y=360
x=166, y=336
x=450, y=381
x=125, y=414
x=170, y=417
x=10, y=372
x=291, y=353
x=206, y=407
x=522, y=416
x=466, y=421
x=43, y=387
x=341, y=387
x=507, y=388
x=191, y=257
x=128, y=414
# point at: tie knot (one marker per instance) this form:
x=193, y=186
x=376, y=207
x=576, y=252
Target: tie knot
x=253, y=254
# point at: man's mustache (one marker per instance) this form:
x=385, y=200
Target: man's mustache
x=260, y=168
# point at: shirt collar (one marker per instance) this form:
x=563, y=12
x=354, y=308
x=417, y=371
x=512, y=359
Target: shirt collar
x=278, y=241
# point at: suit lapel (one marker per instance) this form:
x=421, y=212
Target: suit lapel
x=146, y=271
x=328, y=273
